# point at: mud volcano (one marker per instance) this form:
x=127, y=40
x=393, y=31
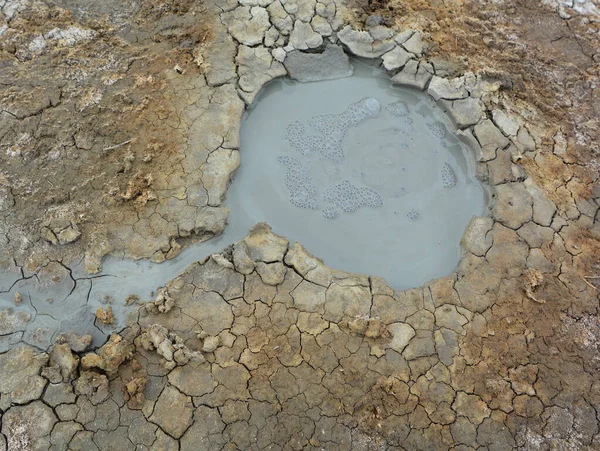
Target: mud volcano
x=368, y=176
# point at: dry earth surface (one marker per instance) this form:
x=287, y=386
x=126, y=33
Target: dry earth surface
x=119, y=134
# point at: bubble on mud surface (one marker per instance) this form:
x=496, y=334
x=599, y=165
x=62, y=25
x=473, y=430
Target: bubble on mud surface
x=371, y=106
x=294, y=134
x=398, y=109
x=413, y=215
x=330, y=213
x=350, y=198
x=448, y=176
x=437, y=129
x=332, y=129
x=302, y=190
x=329, y=132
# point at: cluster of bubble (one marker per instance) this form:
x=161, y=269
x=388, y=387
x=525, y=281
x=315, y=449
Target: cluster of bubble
x=294, y=134
x=332, y=128
x=349, y=198
x=397, y=109
x=437, y=129
x=448, y=176
x=302, y=190
x=305, y=144
x=412, y=215
x=330, y=213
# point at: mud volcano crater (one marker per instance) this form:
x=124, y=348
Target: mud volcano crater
x=368, y=176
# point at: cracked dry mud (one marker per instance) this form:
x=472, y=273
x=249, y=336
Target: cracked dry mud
x=119, y=134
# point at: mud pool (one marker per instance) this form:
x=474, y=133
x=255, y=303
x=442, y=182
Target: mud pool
x=367, y=176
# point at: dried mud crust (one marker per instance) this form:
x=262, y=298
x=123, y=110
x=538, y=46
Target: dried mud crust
x=543, y=52
x=263, y=346
x=104, y=137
